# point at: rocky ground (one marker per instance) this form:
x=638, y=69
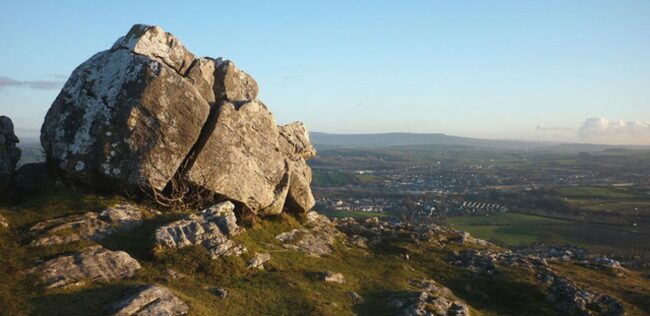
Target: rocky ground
x=108, y=255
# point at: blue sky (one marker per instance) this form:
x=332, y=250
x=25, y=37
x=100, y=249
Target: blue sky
x=493, y=69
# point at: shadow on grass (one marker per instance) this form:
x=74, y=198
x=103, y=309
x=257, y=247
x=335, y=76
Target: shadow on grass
x=139, y=242
x=92, y=301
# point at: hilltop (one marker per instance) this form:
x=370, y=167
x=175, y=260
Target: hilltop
x=169, y=189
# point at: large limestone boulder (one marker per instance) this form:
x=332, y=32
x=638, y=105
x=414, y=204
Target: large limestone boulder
x=126, y=115
x=9, y=153
x=147, y=113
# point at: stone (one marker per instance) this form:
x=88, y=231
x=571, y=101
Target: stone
x=209, y=228
x=316, y=239
x=153, y=41
x=219, y=292
x=356, y=298
x=220, y=80
x=295, y=142
x=88, y=226
x=33, y=178
x=9, y=152
x=95, y=264
x=4, y=223
x=333, y=277
x=126, y=118
x=241, y=158
x=150, y=300
x=431, y=300
x=174, y=274
x=258, y=261
x=358, y=241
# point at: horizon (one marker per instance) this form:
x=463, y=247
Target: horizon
x=570, y=72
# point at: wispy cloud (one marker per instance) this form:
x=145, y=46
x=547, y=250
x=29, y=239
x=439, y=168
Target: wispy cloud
x=543, y=128
x=6, y=82
x=600, y=129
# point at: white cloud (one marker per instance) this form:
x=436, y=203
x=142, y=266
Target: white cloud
x=602, y=130
x=6, y=82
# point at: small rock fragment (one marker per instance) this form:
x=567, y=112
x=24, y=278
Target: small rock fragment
x=219, y=292
x=329, y=276
x=258, y=261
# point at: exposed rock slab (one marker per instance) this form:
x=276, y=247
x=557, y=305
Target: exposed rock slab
x=152, y=300
x=9, y=153
x=315, y=240
x=88, y=226
x=210, y=228
x=94, y=264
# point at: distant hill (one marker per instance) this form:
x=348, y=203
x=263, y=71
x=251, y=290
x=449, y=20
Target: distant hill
x=32, y=151
x=327, y=140
x=409, y=139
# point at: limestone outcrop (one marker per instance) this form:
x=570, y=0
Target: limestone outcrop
x=149, y=114
x=87, y=226
x=211, y=228
x=9, y=153
x=93, y=264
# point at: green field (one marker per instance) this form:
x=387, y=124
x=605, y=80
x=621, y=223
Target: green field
x=512, y=229
x=508, y=228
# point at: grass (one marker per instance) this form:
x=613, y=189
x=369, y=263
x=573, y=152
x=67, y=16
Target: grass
x=289, y=285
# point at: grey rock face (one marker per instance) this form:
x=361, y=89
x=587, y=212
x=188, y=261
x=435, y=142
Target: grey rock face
x=9, y=153
x=152, y=300
x=123, y=119
x=241, y=158
x=219, y=81
x=147, y=111
x=95, y=264
x=210, y=229
x=294, y=141
x=88, y=226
